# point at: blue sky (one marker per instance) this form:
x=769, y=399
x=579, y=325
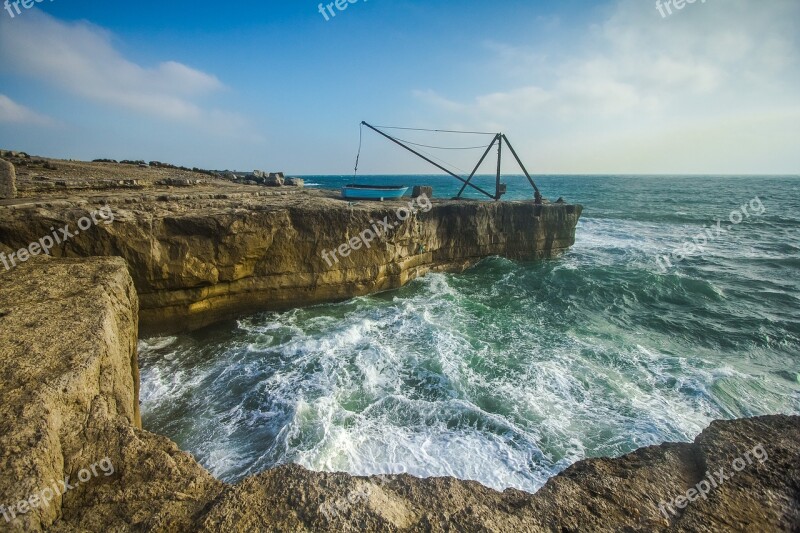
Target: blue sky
x=579, y=86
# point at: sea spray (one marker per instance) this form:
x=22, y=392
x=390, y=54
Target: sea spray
x=509, y=372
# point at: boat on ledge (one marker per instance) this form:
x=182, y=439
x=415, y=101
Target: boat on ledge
x=373, y=192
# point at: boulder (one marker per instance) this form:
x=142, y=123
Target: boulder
x=8, y=180
x=295, y=182
x=274, y=180
x=422, y=190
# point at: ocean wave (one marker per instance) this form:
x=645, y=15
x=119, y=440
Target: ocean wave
x=507, y=373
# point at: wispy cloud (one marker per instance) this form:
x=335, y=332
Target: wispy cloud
x=10, y=111
x=638, y=79
x=79, y=58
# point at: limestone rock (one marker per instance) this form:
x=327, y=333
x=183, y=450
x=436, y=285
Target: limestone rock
x=180, y=182
x=422, y=190
x=208, y=249
x=14, y=154
x=594, y=495
x=274, y=181
x=198, y=260
x=69, y=384
x=270, y=179
x=8, y=180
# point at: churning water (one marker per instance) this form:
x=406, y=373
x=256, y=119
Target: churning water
x=510, y=372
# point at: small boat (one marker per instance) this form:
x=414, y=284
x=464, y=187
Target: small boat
x=373, y=192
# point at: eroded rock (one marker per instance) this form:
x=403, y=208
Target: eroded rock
x=8, y=180
x=200, y=258
x=69, y=381
x=69, y=386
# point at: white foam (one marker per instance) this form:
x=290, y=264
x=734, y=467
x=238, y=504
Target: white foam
x=156, y=343
x=439, y=380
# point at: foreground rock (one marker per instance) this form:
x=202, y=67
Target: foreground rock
x=216, y=250
x=69, y=386
x=69, y=381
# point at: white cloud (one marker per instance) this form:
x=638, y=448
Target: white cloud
x=80, y=58
x=639, y=79
x=432, y=98
x=10, y=111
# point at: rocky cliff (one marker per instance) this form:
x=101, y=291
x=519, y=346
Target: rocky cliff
x=68, y=382
x=221, y=250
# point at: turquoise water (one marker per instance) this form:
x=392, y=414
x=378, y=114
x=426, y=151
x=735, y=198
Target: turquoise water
x=510, y=372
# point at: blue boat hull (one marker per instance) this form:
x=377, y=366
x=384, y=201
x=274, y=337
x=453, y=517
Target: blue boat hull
x=367, y=193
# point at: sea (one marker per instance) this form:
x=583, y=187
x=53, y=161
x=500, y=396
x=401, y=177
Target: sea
x=679, y=304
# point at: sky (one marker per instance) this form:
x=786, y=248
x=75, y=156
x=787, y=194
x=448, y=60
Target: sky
x=579, y=87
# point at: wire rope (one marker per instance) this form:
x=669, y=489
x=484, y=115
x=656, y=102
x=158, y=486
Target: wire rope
x=436, y=131
x=483, y=147
x=358, y=156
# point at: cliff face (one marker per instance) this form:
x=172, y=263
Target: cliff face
x=69, y=385
x=202, y=257
x=69, y=380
